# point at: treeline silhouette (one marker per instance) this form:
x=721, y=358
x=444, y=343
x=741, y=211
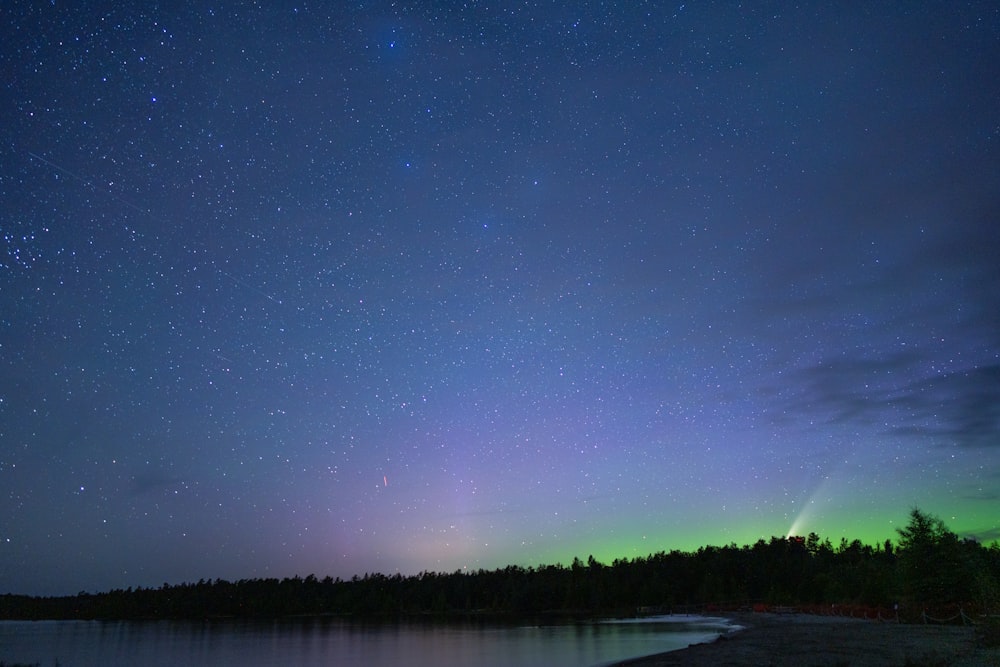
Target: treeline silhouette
x=930, y=567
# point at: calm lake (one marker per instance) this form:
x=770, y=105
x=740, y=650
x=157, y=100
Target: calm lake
x=327, y=642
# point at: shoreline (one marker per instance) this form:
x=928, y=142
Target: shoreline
x=804, y=639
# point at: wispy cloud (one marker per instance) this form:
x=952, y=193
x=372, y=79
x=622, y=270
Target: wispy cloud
x=959, y=407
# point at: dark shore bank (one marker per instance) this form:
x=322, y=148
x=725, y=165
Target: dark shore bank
x=802, y=639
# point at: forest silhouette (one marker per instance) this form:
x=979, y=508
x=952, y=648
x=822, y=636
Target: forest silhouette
x=930, y=570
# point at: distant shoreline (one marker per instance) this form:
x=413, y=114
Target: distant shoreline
x=797, y=639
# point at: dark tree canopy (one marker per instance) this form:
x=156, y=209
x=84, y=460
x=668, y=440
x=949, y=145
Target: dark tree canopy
x=937, y=567
x=932, y=569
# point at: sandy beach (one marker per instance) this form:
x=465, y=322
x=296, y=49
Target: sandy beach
x=801, y=639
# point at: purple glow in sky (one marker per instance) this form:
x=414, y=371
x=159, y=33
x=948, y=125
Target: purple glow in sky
x=350, y=287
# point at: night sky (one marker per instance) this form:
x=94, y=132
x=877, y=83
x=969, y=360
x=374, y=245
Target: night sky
x=339, y=288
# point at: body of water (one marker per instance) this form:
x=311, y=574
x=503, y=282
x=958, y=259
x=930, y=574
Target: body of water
x=318, y=642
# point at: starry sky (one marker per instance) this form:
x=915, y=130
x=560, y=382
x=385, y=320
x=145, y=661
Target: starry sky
x=339, y=288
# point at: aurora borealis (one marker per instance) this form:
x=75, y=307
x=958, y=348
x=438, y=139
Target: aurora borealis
x=339, y=288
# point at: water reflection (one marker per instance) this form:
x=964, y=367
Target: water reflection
x=326, y=641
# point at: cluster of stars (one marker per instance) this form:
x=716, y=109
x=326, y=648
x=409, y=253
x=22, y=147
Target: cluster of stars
x=403, y=288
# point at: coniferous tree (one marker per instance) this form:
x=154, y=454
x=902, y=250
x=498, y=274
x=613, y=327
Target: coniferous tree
x=935, y=567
